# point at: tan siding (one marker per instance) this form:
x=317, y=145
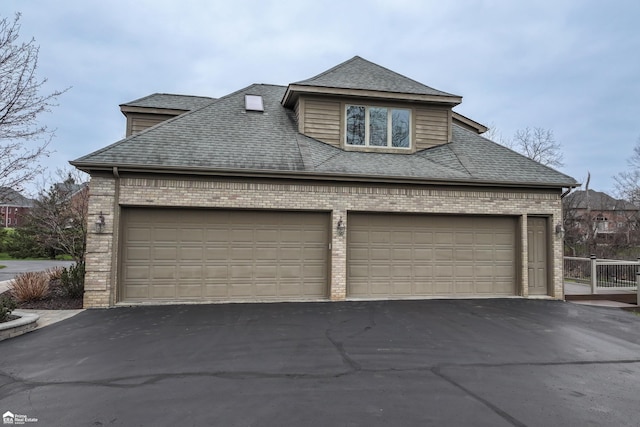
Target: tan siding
x=322, y=120
x=431, y=127
x=140, y=122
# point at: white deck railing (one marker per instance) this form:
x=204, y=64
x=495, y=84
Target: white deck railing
x=603, y=274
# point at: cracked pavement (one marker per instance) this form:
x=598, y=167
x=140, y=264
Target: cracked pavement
x=507, y=362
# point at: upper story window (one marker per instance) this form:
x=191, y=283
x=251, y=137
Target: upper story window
x=378, y=127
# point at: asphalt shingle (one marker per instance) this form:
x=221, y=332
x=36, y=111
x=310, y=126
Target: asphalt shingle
x=222, y=136
x=170, y=101
x=358, y=73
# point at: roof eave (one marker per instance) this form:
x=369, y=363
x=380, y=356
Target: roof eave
x=294, y=90
x=309, y=175
x=151, y=110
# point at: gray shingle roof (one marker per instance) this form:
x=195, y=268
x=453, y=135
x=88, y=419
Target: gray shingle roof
x=222, y=136
x=358, y=73
x=170, y=101
x=10, y=197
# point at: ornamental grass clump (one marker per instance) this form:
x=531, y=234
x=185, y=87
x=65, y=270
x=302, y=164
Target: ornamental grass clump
x=55, y=273
x=31, y=286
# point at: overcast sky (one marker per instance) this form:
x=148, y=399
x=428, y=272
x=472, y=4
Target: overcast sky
x=569, y=66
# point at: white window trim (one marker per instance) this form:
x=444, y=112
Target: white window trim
x=367, y=131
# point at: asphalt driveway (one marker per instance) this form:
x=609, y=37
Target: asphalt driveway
x=509, y=362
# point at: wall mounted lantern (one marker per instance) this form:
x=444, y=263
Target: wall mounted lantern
x=559, y=230
x=100, y=223
x=340, y=227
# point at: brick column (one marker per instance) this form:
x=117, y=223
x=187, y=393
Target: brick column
x=98, y=278
x=338, y=291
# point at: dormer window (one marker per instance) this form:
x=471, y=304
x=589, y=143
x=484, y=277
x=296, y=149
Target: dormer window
x=384, y=127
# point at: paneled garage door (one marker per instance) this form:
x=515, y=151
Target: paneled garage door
x=402, y=256
x=182, y=255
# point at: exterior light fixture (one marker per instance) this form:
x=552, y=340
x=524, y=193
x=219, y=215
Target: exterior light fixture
x=100, y=223
x=559, y=230
x=340, y=227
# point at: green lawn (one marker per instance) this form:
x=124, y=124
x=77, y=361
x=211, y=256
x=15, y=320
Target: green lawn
x=6, y=257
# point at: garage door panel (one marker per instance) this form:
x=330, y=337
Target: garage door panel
x=379, y=237
x=165, y=235
x=183, y=254
x=136, y=272
x=421, y=237
x=380, y=254
x=242, y=253
x=462, y=255
x=189, y=291
x=241, y=236
x=190, y=272
x=164, y=272
x=163, y=291
x=401, y=253
x=359, y=271
x=465, y=288
x=191, y=254
x=218, y=271
x=217, y=234
x=444, y=238
x=437, y=255
x=503, y=255
x=137, y=291
x=137, y=253
x=401, y=288
x=164, y=253
x=188, y=235
x=139, y=234
x=291, y=254
x=422, y=253
x=466, y=238
x=216, y=291
x=443, y=254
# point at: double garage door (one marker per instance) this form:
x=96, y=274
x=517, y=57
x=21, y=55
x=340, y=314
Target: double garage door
x=225, y=255
x=404, y=256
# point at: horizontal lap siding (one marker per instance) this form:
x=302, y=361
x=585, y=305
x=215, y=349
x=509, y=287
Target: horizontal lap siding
x=140, y=122
x=322, y=120
x=432, y=127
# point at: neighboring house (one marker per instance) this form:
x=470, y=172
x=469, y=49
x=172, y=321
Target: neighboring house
x=13, y=208
x=358, y=183
x=599, y=212
x=76, y=192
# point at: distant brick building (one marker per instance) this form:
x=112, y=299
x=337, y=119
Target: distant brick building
x=13, y=207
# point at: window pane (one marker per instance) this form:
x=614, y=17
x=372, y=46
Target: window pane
x=400, y=128
x=355, y=125
x=378, y=127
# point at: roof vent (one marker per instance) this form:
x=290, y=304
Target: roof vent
x=253, y=103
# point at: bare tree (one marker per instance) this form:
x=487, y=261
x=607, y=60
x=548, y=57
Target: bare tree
x=538, y=144
x=627, y=182
x=21, y=105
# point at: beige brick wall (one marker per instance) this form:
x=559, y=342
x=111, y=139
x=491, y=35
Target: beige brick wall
x=108, y=192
